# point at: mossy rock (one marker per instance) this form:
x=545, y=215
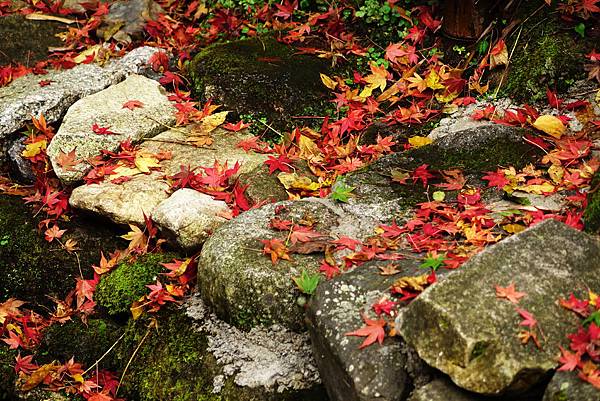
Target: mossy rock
x=86, y=343
x=546, y=56
x=592, y=211
x=26, y=41
x=32, y=268
x=261, y=77
x=174, y=364
x=7, y=373
x=127, y=283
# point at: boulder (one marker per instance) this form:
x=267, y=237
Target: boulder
x=387, y=372
x=26, y=41
x=20, y=168
x=241, y=284
x=105, y=109
x=24, y=97
x=472, y=335
x=262, y=78
x=189, y=217
x=566, y=386
x=127, y=202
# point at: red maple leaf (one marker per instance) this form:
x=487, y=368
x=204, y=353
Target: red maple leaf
x=281, y=163
x=509, y=293
x=553, y=100
x=240, y=125
x=373, y=331
x=421, y=173
x=132, y=104
x=330, y=271
x=102, y=130
x=496, y=179
x=303, y=234
x=286, y=9
x=25, y=364
x=528, y=319
x=569, y=360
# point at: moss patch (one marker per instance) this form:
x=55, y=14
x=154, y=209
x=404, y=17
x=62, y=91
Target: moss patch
x=261, y=77
x=173, y=364
x=127, y=283
x=7, y=373
x=31, y=268
x=86, y=343
x=546, y=56
x=25, y=41
x=592, y=211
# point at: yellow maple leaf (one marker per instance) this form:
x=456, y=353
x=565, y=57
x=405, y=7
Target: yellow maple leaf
x=538, y=189
x=144, y=162
x=34, y=149
x=136, y=238
x=416, y=81
x=123, y=171
x=209, y=123
x=328, y=82
x=295, y=181
x=309, y=149
x=418, y=141
x=551, y=125
x=433, y=80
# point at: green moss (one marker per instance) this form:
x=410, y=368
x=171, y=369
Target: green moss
x=7, y=373
x=546, y=56
x=25, y=41
x=86, y=343
x=261, y=77
x=592, y=211
x=127, y=283
x=32, y=268
x=173, y=364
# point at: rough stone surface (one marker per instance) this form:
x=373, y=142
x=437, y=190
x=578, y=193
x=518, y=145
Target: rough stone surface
x=260, y=76
x=443, y=390
x=566, y=386
x=26, y=41
x=472, y=335
x=189, y=216
x=125, y=203
x=386, y=372
x=270, y=357
x=105, y=109
x=20, y=168
x=24, y=97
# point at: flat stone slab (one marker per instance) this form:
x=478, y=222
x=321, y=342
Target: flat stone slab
x=460, y=327
x=443, y=390
x=127, y=202
x=105, y=109
x=24, y=97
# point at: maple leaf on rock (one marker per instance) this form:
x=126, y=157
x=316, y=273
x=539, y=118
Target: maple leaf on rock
x=528, y=318
x=101, y=130
x=132, y=104
x=569, y=360
x=509, y=293
x=276, y=249
x=67, y=161
x=374, y=330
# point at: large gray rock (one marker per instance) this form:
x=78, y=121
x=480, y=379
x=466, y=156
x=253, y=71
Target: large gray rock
x=189, y=217
x=566, y=386
x=105, y=109
x=387, y=372
x=127, y=202
x=24, y=97
x=472, y=334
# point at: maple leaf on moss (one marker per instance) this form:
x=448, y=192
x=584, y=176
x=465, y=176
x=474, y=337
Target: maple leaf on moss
x=374, y=330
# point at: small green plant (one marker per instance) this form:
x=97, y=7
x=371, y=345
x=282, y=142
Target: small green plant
x=580, y=29
x=459, y=49
x=432, y=261
x=341, y=192
x=307, y=282
x=4, y=240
